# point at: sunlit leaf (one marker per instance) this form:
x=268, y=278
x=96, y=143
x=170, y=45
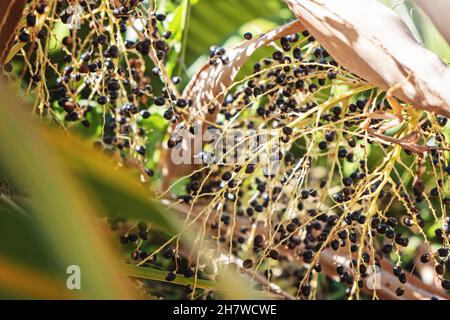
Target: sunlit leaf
x=379, y=48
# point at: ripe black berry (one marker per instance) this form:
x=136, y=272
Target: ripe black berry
x=274, y=254
x=425, y=258
x=442, y=120
x=113, y=51
x=446, y=284
x=171, y=276
x=323, y=145
x=145, y=114
x=318, y=52
x=42, y=34
x=306, y=290
x=250, y=168
x=124, y=239
x=443, y=252
x=347, y=181
x=226, y=176
x=143, y=235
x=277, y=55
x=31, y=20
x=160, y=101
x=168, y=114
x=102, y=100
x=247, y=264
x=24, y=37
x=439, y=268
x=399, y=292
x=287, y=130
x=248, y=36
x=182, y=103
x=160, y=17
x=40, y=8
x=132, y=237
x=308, y=256
x=297, y=54
x=8, y=67
x=168, y=253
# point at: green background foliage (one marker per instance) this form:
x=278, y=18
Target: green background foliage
x=70, y=185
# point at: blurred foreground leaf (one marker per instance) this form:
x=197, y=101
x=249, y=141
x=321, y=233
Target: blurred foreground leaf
x=61, y=225
x=212, y=21
x=159, y=275
x=421, y=25
x=70, y=186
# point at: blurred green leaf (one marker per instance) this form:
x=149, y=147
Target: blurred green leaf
x=179, y=28
x=70, y=184
x=159, y=275
x=432, y=38
x=421, y=26
x=115, y=188
x=61, y=210
x=214, y=21
x=403, y=10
